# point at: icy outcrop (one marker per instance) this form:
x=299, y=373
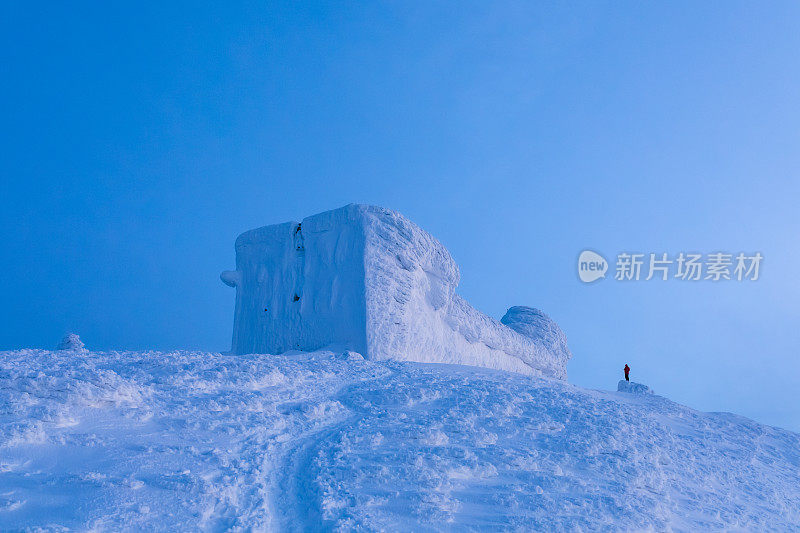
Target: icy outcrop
x=633, y=387
x=71, y=342
x=367, y=279
x=536, y=325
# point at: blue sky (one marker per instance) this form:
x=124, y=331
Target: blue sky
x=139, y=141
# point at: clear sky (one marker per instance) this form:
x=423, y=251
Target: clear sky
x=139, y=141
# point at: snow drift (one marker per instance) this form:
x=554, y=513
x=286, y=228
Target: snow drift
x=367, y=279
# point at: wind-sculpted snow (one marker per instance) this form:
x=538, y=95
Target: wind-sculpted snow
x=368, y=279
x=187, y=441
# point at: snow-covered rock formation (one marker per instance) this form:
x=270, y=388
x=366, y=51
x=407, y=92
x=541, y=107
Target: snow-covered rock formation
x=633, y=387
x=71, y=342
x=367, y=279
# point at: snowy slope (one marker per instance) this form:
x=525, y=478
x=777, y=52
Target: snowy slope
x=190, y=440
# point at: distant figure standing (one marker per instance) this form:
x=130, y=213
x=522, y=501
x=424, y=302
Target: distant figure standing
x=627, y=371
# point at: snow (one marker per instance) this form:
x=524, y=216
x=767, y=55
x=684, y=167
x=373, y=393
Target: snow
x=71, y=342
x=633, y=387
x=187, y=441
x=536, y=325
x=367, y=279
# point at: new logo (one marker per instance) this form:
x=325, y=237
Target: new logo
x=591, y=266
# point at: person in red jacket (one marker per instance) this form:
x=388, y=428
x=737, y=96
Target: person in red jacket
x=627, y=371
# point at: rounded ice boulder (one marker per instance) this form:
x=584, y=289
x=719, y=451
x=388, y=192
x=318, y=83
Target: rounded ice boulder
x=536, y=325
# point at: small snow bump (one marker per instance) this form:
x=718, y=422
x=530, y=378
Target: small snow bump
x=436, y=437
x=352, y=356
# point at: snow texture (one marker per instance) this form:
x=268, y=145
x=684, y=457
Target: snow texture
x=367, y=279
x=193, y=441
x=71, y=342
x=633, y=387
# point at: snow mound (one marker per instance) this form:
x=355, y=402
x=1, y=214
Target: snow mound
x=536, y=325
x=193, y=441
x=71, y=342
x=367, y=279
x=633, y=387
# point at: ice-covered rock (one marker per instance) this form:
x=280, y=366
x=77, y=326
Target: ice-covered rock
x=536, y=325
x=367, y=279
x=633, y=387
x=71, y=342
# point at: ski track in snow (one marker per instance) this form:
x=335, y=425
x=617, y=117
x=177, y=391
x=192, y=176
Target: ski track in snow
x=167, y=441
